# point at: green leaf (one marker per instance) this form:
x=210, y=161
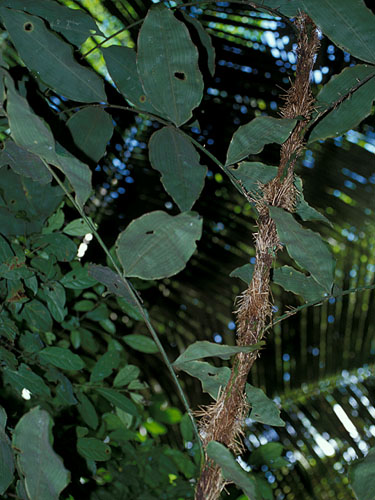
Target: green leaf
x=87, y=411
x=56, y=244
x=362, y=476
x=305, y=247
x=93, y=449
x=74, y=24
x=62, y=358
x=105, y=365
x=100, y=313
x=5, y=250
x=251, y=138
x=303, y=209
x=266, y=454
x=245, y=273
x=263, y=409
x=78, y=279
x=25, y=377
x=6, y=455
x=290, y=8
x=54, y=222
x=51, y=58
x=77, y=173
x=56, y=297
x=205, y=349
x=122, y=66
x=91, y=130
x=64, y=392
x=231, y=469
x=44, y=474
x=251, y=174
x=170, y=77
x=347, y=115
x=37, y=316
x=211, y=377
x=158, y=245
x=205, y=40
x=24, y=163
x=263, y=488
x=112, y=281
x=77, y=227
x=186, y=428
x=126, y=375
x=118, y=400
x=298, y=283
x=8, y=328
x=182, y=461
x=178, y=161
x=350, y=25
x=141, y=343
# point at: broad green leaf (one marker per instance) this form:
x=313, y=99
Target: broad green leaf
x=62, y=358
x=55, y=297
x=54, y=222
x=158, y=245
x=349, y=24
x=182, y=461
x=205, y=40
x=74, y=24
x=132, y=311
x=251, y=138
x=77, y=227
x=8, y=328
x=303, y=209
x=112, y=281
x=5, y=250
x=266, y=454
x=51, y=58
x=362, y=476
x=43, y=471
x=25, y=377
x=305, y=247
x=141, y=343
x=118, y=400
x=64, y=392
x=78, y=279
x=6, y=455
x=31, y=342
x=91, y=130
x=87, y=411
x=126, y=375
x=93, y=449
x=263, y=409
x=263, y=488
x=56, y=244
x=178, y=162
x=155, y=428
x=205, y=349
x=298, y=283
x=211, y=377
x=100, y=313
x=30, y=132
x=122, y=66
x=290, y=8
x=186, y=428
x=24, y=163
x=230, y=468
x=105, y=366
x=36, y=316
x=168, y=65
x=251, y=174
x=245, y=273
x=346, y=115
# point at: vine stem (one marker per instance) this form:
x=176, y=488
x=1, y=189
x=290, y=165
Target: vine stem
x=135, y=297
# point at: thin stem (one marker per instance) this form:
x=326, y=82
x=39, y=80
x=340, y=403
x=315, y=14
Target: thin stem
x=136, y=299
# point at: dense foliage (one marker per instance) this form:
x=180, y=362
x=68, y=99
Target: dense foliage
x=81, y=416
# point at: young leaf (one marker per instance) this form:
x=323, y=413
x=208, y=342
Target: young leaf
x=122, y=66
x=118, y=400
x=77, y=227
x=231, y=469
x=337, y=19
x=263, y=409
x=158, y=245
x=43, y=471
x=362, y=476
x=91, y=130
x=251, y=138
x=205, y=349
x=168, y=65
x=51, y=58
x=93, y=449
x=6, y=455
x=74, y=24
x=245, y=273
x=126, y=375
x=298, y=283
x=141, y=343
x=62, y=358
x=305, y=247
x=178, y=162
